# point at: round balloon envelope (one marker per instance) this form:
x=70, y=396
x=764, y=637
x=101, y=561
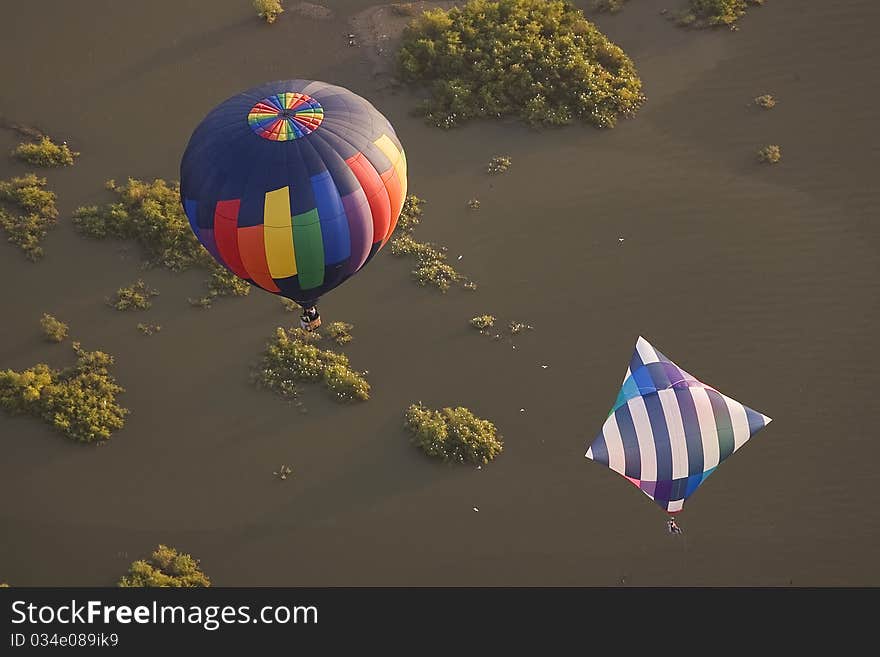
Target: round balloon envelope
x=293, y=185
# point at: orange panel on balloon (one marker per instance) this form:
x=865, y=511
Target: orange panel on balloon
x=395, y=193
x=252, y=248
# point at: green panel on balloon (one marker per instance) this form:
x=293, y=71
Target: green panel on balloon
x=309, y=249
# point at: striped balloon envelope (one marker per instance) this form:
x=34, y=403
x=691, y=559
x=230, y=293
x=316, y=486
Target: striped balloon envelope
x=293, y=185
x=668, y=431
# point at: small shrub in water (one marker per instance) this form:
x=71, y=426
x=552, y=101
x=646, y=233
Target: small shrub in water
x=148, y=329
x=770, y=154
x=28, y=193
x=483, y=322
x=221, y=283
x=78, y=401
x=268, y=10
x=340, y=332
x=26, y=231
x=292, y=357
x=165, y=568
x=134, y=297
x=453, y=434
x=45, y=153
x=436, y=272
x=498, y=164
x=410, y=214
x=766, y=101
x=713, y=13
x=54, y=329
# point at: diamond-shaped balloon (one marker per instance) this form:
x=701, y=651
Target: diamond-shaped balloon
x=668, y=431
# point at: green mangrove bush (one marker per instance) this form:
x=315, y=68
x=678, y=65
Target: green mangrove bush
x=340, y=332
x=453, y=434
x=714, y=13
x=27, y=192
x=498, y=164
x=268, y=10
x=79, y=401
x=53, y=329
x=410, y=214
x=766, y=101
x=26, y=231
x=166, y=567
x=770, y=154
x=45, y=153
x=133, y=297
x=483, y=322
x=292, y=356
x=539, y=60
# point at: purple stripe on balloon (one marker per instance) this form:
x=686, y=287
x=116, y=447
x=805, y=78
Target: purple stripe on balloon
x=677, y=376
x=662, y=492
x=360, y=227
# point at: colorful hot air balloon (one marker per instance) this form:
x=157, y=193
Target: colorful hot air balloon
x=294, y=186
x=668, y=431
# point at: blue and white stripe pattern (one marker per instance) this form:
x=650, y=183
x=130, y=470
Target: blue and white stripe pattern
x=668, y=431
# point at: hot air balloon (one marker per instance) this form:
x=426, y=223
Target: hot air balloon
x=294, y=186
x=668, y=431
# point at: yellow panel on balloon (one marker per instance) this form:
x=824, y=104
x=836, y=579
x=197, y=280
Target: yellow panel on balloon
x=278, y=234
